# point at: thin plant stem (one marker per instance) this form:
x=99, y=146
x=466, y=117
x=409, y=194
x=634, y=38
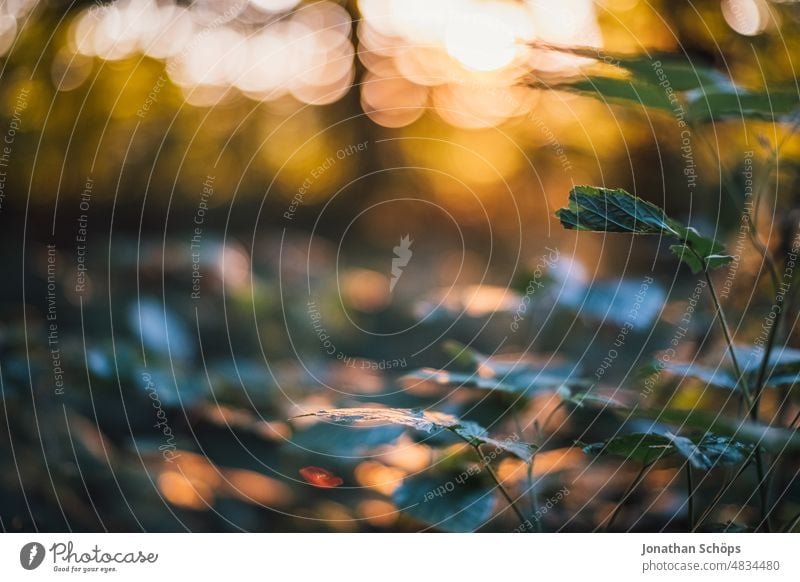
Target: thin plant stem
x=502, y=489
x=727, y=334
x=718, y=497
x=763, y=484
x=690, y=499
x=538, y=428
x=532, y=496
x=631, y=488
x=762, y=369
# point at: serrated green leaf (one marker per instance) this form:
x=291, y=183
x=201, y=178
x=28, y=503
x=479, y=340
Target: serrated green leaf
x=444, y=502
x=773, y=439
x=605, y=210
x=600, y=209
x=426, y=421
x=723, y=450
x=704, y=453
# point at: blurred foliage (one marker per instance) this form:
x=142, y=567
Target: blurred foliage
x=131, y=405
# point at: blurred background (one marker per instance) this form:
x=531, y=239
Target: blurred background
x=217, y=215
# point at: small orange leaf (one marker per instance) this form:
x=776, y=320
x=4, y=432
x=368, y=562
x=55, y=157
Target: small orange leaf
x=320, y=477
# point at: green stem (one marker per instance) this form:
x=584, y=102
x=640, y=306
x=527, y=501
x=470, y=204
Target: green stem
x=721, y=493
x=763, y=483
x=762, y=369
x=493, y=475
x=533, y=498
x=534, y=495
x=726, y=332
x=631, y=488
x=690, y=491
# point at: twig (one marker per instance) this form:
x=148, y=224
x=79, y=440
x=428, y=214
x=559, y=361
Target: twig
x=502, y=489
x=690, y=499
x=634, y=484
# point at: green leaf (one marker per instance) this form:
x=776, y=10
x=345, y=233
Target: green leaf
x=619, y=90
x=773, y=439
x=605, y=210
x=722, y=103
x=681, y=74
x=462, y=355
x=704, y=453
x=444, y=502
x=426, y=421
x=645, y=448
x=723, y=450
